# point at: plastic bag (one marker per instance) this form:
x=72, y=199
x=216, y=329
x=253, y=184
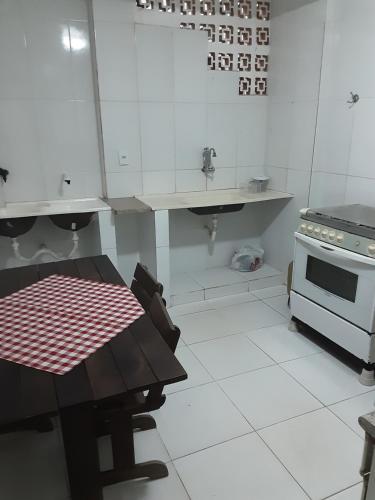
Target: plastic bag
x=247, y=259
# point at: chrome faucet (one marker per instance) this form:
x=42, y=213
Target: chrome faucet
x=208, y=154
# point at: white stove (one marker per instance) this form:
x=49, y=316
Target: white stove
x=333, y=288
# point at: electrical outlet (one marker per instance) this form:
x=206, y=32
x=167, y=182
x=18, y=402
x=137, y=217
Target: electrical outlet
x=123, y=158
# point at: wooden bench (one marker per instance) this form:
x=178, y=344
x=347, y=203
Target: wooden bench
x=136, y=360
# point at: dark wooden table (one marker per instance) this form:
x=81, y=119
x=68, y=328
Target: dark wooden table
x=135, y=360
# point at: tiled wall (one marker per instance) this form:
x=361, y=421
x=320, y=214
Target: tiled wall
x=294, y=78
x=238, y=34
x=47, y=111
x=344, y=168
x=161, y=105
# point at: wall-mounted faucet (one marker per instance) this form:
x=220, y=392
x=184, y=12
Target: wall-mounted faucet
x=208, y=154
x=4, y=174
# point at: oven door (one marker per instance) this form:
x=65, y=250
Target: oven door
x=338, y=280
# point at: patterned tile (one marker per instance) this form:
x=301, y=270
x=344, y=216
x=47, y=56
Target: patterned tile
x=246, y=23
x=207, y=7
x=244, y=62
x=261, y=62
x=227, y=7
x=210, y=29
x=226, y=33
x=260, y=86
x=263, y=36
x=224, y=62
x=187, y=26
x=244, y=36
x=211, y=60
x=244, y=9
x=167, y=6
x=263, y=11
x=145, y=4
x=187, y=7
x=244, y=86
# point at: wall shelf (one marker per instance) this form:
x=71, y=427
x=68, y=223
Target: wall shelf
x=175, y=201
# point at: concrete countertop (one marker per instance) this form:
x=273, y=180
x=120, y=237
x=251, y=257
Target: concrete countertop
x=175, y=201
x=53, y=207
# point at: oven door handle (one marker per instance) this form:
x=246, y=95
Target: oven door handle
x=337, y=252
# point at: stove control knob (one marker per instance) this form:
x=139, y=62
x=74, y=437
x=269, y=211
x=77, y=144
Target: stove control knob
x=324, y=233
x=317, y=231
x=371, y=249
x=340, y=238
x=331, y=235
x=310, y=228
x=303, y=228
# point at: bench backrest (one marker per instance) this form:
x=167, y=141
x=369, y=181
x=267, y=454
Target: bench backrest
x=161, y=319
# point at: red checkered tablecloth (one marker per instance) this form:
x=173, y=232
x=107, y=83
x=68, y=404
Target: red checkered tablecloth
x=57, y=322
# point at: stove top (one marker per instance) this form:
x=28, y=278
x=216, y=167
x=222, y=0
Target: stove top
x=355, y=219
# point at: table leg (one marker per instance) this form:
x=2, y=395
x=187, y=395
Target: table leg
x=81, y=453
x=124, y=466
x=143, y=422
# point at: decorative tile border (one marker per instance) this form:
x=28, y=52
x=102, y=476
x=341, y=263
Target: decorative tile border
x=238, y=33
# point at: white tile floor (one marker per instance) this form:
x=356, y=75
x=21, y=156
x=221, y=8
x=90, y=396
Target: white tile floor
x=264, y=415
x=222, y=281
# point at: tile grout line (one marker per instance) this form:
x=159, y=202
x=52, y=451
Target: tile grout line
x=342, y=491
x=312, y=394
x=260, y=437
x=213, y=445
x=276, y=363
x=242, y=332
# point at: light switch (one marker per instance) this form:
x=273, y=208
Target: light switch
x=123, y=158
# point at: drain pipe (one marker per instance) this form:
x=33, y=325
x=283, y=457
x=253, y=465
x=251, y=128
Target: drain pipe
x=212, y=230
x=44, y=250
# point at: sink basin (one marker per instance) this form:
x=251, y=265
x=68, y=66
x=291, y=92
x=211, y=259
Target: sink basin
x=217, y=209
x=53, y=207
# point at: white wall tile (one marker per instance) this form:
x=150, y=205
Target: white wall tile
x=190, y=180
x=121, y=133
x=298, y=184
x=251, y=128
x=163, y=274
x=121, y=184
x=157, y=182
x=114, y=10
x=190, y=65
x=115, y=52
x=162, y=228
x=222, y=87
x=333, y=136
x=349, y=42
x=360, y=190
x=302, y=132
x=84, y=184
x=107, y=229
x=157, y=136
x=278, y=177
x=278, y=133
x=245, y=174
x=191, y=134
x=50, y=59
x=68, y=136
x=222, y=133
x=14, y=62
x=82, y=74
x=327, y=189
x=362, y=153
x=55, y=9
x=154, y=46
x=223, y=178
x=20, y=148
